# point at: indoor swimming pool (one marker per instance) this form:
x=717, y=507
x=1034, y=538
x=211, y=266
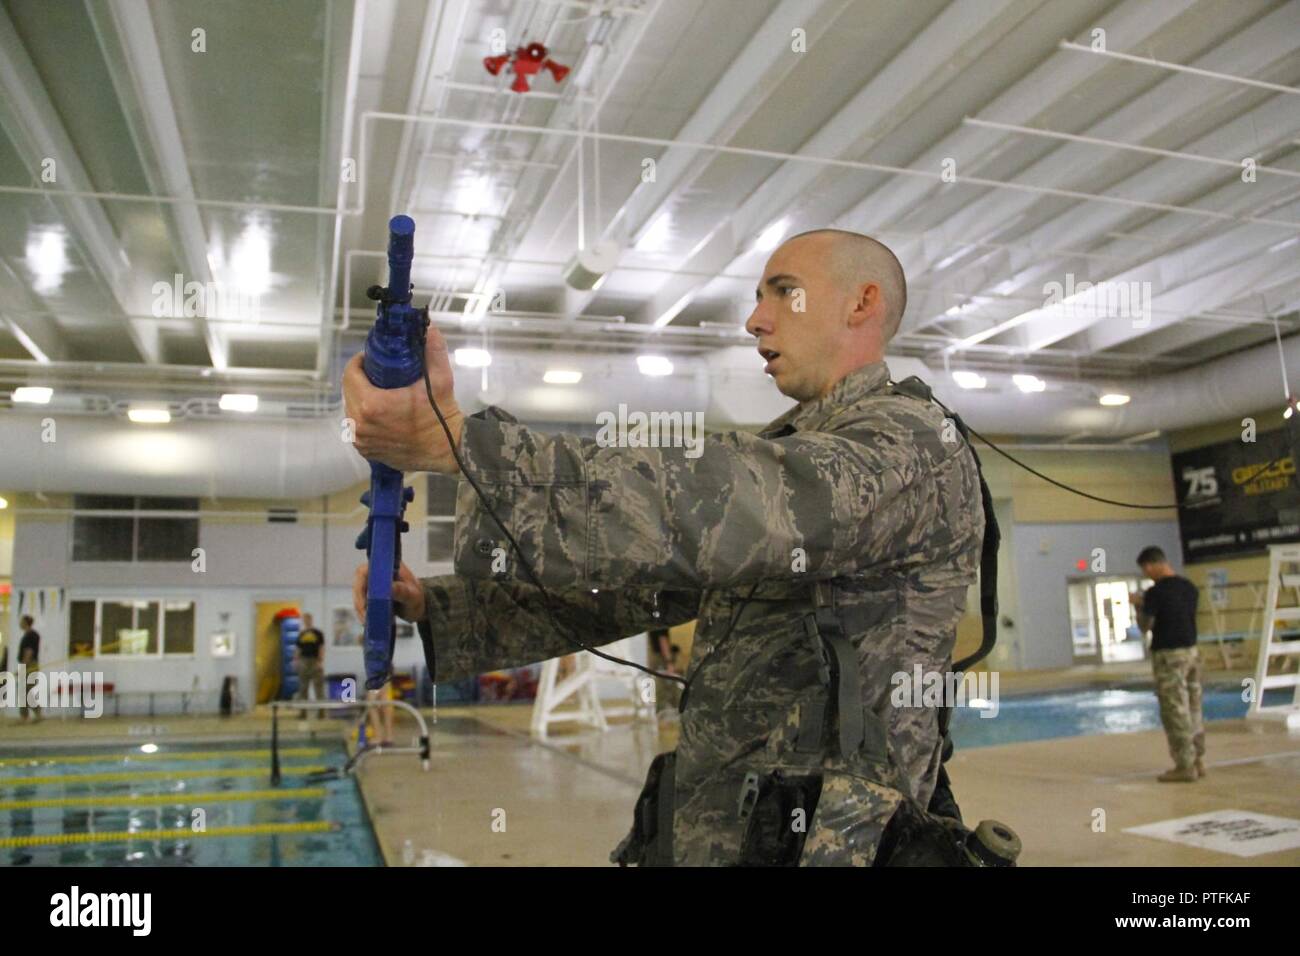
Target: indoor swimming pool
x=1078, y=713
x=181, y=804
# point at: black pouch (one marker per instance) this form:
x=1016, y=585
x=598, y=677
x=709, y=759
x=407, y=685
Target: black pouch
x=914, y=837
x=650, y=843
x=778, y=809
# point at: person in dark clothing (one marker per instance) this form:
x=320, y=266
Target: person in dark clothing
x=29, y=652
x=1168, y=608
x=311, y=664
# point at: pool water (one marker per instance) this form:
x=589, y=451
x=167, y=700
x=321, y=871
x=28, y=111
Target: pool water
x=119, y=805
x=1077, y=713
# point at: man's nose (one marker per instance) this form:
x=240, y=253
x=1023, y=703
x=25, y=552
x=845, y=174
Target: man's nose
x=757, y=324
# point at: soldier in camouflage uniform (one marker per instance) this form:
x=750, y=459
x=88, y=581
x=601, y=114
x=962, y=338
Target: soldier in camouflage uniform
x=821, y=557
x=1168, y=609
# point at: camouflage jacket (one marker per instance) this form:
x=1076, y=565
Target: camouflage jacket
x=866, y=492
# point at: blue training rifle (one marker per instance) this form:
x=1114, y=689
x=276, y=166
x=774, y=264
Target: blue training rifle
x=394, y=359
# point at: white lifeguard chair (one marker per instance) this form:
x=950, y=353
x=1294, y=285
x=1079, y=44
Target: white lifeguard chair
x=580, y=686
x=1283, y=574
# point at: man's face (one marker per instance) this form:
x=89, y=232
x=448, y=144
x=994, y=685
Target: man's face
x=801, y=319
x=1148, y=570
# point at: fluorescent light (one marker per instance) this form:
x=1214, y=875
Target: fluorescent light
x=250, y=260
x=770, y=238
x=1115, y=398
x=654, y=365
x=149, y=416
x=1029, y=383
x=149, y=748
x=473, y=358
x=969, y=379
x=32, y=395
x=236, y=402
x=4, y=503
x=47, y=257
x=561, y=376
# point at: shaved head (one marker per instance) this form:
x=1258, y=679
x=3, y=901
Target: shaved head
x=857, y=259
x=827, y=303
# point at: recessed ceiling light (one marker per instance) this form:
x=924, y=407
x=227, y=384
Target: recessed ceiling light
x=149, y=416
x=237, y=402
x=969, y=379
x=473, y=358
x=654, y=365
x=1029, y=383
x=1115, y=398
x=32, y=395
x=561, y=376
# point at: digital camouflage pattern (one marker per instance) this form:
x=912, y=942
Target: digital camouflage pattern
x=868, y=489
x=1178, y=688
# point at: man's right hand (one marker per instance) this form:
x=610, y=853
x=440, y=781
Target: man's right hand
x=408, y=594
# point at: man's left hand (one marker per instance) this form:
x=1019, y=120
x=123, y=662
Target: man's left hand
x=396, y=426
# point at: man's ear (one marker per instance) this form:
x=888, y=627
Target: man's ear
x=870, y=304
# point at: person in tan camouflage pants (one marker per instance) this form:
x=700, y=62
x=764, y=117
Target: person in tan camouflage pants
x=1168, y=608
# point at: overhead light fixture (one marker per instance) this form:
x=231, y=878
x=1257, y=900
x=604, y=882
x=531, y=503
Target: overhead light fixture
x=47, y=257
x=770, y=237
x=587, y=270
x=561, y=376
x=473, y=358
x=1029, y=383
x=250, y=260
x=1115, y=398
x=1289, y=411
x=237, y=402
x=149, y=415
x=4, y=503
x=654, y=365
x=969, y=379
x=32, y=395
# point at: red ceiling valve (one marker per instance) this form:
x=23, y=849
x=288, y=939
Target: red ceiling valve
x=526, y=61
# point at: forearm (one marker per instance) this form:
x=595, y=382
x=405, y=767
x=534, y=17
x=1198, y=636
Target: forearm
x=478, y=626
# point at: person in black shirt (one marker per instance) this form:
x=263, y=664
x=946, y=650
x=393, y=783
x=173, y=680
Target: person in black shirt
x=29, y=652
x=311, y=663
x=1168, y=608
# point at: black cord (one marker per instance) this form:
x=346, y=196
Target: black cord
x=523, y=562
x=1084, y=494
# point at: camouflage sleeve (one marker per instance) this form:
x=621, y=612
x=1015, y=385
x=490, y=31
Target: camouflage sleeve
x=478, y=626
x=806, y=505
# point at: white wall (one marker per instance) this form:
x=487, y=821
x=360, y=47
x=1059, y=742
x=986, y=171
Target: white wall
x=246, y=562
x=1045, y=556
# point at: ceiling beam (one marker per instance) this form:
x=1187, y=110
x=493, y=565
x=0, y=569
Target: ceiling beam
x=126, y=35
x=31, y=121
x=962, y=32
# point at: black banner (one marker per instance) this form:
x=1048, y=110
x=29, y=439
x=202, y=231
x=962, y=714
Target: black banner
x=1237, y=497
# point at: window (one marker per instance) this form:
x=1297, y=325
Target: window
x=138, y=533
x=441, y=517
x=131, y=628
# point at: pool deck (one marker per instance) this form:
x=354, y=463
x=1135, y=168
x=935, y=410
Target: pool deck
x=494, y=796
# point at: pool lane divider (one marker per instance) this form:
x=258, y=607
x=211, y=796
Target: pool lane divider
x=130, y=776
x=131, y=757
x=166, y=799
x=178, y=833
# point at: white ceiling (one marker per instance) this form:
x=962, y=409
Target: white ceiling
x=223, y=166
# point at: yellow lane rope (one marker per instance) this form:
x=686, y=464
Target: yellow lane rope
x=173, y=833
x=127, y=776
x=164, y=799
x=264, y=753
